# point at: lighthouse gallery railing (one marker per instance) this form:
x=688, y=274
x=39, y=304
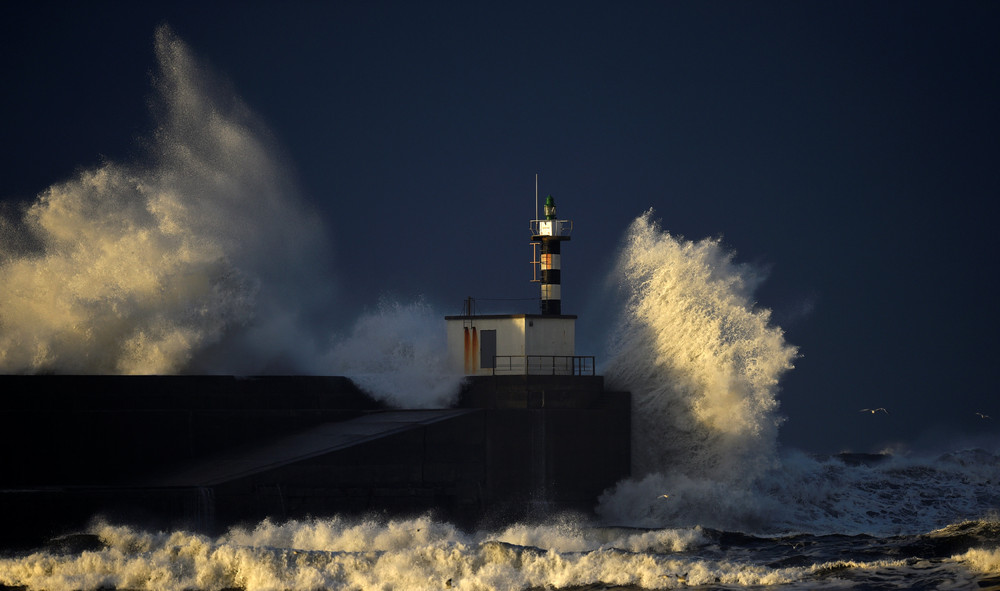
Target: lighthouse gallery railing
x=556, y=365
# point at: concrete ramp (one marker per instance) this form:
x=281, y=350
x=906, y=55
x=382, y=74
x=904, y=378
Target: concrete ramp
x=249, y=460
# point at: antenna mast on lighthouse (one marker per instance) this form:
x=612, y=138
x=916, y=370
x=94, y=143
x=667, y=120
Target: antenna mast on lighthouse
x=536, y=195
x=547, y=236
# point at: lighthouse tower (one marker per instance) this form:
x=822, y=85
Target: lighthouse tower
x=549, y=234
x=524, y=344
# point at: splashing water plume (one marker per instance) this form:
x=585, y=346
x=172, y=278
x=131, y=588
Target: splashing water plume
x=134, y=269
x=702, y=363
x=204, y=260
x=398, y=354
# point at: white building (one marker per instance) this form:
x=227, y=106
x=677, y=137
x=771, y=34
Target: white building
x=505, y=344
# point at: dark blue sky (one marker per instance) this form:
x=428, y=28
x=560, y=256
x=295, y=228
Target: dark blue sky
x=850, y=147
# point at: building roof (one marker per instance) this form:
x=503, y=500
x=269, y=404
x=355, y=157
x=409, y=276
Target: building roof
x=501, y=316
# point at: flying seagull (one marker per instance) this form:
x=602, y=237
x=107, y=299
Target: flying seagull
x=874, y=410
x=982, y=416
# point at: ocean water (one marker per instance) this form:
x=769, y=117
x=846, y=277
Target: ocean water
x=566, y=553
x=163, y=266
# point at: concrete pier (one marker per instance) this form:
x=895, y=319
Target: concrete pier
x=207, y=452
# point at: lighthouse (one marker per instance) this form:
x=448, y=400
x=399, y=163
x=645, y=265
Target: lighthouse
x=548, y=235
x=524, y=344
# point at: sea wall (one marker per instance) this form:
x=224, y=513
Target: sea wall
x=206, y=452
x=101, y=430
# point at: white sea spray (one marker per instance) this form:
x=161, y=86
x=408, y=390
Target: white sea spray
x=138, y=268
x=702, y=362
x=204, y=257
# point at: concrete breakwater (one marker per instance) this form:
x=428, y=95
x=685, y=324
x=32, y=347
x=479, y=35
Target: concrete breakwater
x=206, y=452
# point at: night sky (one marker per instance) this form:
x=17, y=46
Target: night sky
x=852, y=149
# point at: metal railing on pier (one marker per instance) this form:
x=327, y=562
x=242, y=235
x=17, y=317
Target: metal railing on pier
x=555, y=365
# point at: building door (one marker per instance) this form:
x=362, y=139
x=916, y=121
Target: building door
x=487, y=349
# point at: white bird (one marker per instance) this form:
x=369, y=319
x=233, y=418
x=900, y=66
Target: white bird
x=982, y=416
x=874, y=410
x=664, y=496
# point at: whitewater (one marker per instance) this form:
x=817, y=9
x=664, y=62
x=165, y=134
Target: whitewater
x=184, y=263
